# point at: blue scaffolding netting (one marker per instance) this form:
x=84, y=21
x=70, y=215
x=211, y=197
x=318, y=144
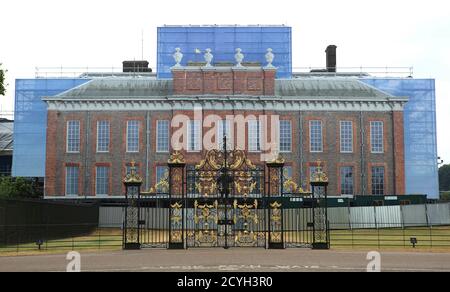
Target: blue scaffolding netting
x=30, y=123
x=223, y=40
x=421, y=168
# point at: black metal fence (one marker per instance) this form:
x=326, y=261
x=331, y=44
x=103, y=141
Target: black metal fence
x=23, y=221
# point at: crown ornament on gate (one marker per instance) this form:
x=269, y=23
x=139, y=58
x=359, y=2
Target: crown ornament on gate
x=319, y=175
x=132, y=177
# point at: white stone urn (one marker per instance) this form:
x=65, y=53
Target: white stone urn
x=239, y=57
x=208, y=57
x=177, y=56
x=269, y=58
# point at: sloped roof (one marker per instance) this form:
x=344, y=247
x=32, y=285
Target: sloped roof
x=120, y=87
x=330, y=87
x=327, y=87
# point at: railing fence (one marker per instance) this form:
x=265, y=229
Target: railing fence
x=376, y=217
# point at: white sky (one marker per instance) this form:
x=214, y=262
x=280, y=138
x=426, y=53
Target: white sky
x=103, y=33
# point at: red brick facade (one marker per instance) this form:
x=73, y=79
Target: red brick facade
x=249, y=83
x=50, y=161
x=300, y=158
x=224, y=81
x=399, y=152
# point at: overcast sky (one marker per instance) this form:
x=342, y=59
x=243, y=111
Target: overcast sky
x=98, y=33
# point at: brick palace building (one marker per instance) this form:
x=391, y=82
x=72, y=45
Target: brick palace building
x=95, y=130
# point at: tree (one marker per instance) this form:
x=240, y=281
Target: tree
x=445, y=196
x=444, y=178
x=18, y=188
x=2, y=80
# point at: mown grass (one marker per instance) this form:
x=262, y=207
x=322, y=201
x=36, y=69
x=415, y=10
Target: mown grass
x=100, y=239
x=435, y=239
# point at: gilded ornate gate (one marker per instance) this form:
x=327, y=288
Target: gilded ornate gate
x=226, y=201
x=225, y=195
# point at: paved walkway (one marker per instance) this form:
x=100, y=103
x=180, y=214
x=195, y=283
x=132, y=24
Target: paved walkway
x=208, y=260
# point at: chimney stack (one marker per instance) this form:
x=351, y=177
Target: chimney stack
x=136, y=67
x=331, y=58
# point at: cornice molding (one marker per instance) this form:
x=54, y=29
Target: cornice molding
x=225, y=103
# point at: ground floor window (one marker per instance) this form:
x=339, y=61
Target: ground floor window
x=102, y=181
x=72, y=176
x=378, y=180
x=347, y=181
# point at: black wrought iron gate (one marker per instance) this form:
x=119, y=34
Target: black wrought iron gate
x=227, y=201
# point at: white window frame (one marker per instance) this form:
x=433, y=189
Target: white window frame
x=221, y=124
x=384, y=181
x=69, y=133
x=138, y=138
x=97, y=194
x=159, y=137
x=108, y=136
x=252, y=128
x=311, y=136
x=343, y=140
x=197, y=133
x=76, y=182
x=289, y=138
x=373, y=137
x=341, y=179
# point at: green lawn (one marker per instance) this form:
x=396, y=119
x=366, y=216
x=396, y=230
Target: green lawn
x=109, y=239
x=436, y=238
